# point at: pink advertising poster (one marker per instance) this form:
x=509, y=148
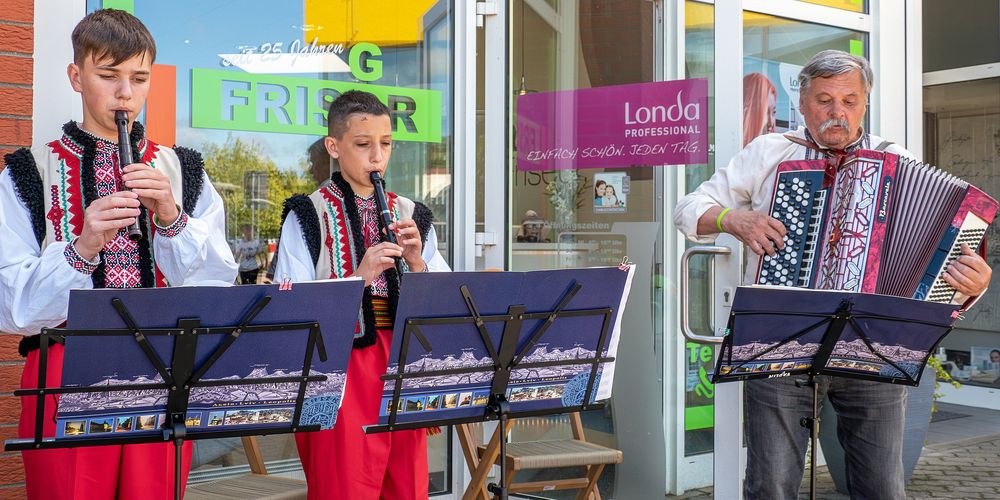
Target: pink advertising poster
x=641, y=124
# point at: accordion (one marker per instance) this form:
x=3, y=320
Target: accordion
x=873, y=222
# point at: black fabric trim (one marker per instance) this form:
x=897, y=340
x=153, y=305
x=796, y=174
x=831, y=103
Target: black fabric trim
x=308, y=221
x=368, y=335
x=31, y=343
x=89, y=189
x=192, y=177
x=147, y=272
x=28, y=188
x=147, y=269
x=135, y=136
x=424, y=218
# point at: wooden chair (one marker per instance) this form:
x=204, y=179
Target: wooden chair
x=575, y=452
x=257, y=484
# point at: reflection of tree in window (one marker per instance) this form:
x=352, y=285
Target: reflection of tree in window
x=228, y=163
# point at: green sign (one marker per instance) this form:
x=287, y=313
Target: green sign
x=856, y=48
x=699, y=416
x=231, y=100
x=126, y=5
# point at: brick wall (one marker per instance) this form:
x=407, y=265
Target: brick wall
x=16, y=69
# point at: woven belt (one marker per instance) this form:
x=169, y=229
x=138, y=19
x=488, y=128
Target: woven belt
x=383, y=317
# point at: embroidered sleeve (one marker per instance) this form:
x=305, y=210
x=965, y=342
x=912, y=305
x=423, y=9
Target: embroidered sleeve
x=77, y=262
x=173, y=229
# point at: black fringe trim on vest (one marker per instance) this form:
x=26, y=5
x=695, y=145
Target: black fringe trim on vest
x=28, y=188
x=34, y=342
x=89, y=190
x=367, y=337
x=424, y=219
x=308, y=222
x=192, y=177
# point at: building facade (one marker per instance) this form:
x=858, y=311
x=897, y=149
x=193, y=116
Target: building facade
x=241, y=81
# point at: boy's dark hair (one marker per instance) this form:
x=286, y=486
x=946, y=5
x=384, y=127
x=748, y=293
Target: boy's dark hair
x=349, y=103
x=114, y=34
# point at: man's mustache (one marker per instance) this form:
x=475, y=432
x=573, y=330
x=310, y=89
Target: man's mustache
x=840, y=122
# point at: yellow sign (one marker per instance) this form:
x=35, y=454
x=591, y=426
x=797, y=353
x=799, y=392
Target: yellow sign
x=386, y=23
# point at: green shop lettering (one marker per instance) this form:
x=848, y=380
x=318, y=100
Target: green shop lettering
x=701, y=355
x=233, y=100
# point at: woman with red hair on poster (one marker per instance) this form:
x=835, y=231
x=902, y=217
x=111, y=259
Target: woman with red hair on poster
x=759, y=103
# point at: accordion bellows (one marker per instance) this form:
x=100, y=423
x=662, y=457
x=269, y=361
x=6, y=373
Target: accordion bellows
x=873, y=222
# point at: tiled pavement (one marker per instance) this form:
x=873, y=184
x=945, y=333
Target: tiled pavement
x=959, y=462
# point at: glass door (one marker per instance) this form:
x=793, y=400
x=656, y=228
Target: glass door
x=751, y=52
x=579, y=217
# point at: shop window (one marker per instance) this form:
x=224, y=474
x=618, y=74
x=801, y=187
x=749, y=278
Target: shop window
x=776, y=49
x=962, y=136
x=248, y=84
x=959, y=34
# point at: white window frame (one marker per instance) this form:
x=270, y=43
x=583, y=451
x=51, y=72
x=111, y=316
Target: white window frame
x=965, y=74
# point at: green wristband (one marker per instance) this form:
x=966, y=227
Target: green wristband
x=718, y=220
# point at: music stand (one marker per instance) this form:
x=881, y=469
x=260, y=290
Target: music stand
x=781, y=331
x=187, y=358
x=495, y=346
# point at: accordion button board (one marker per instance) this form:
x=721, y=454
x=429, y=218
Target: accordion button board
x=799, y=203
x=882, y=224
x=971, y=233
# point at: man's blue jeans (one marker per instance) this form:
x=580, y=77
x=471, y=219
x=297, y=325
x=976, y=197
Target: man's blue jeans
x=869, y=426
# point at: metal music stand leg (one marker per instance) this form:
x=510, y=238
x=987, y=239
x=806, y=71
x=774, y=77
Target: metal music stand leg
x=501, y=408
x=178, y=463
x=812, y=423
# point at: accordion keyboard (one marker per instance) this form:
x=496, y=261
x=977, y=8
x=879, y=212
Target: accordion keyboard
x=972, y=232
x=798, y=203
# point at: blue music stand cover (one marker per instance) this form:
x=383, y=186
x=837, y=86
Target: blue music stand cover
x=104, y=360
x=462, y=397
x=781, y=331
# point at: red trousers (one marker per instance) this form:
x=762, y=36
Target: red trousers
x=346, y=463
x=137, y=471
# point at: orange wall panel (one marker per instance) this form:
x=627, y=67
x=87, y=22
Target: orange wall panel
x=161, y=106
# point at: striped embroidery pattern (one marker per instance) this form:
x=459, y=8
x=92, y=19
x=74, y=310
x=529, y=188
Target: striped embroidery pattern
x=339, y=242
x=63, y=198
x=383, y=318
x=69, y=194
x=56, y=213
x=175, y=228
x=334, y=265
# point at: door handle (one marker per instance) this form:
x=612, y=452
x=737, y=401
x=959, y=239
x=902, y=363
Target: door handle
x=685, y=287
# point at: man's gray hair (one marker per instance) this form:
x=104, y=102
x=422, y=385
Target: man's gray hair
x=835, y=62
